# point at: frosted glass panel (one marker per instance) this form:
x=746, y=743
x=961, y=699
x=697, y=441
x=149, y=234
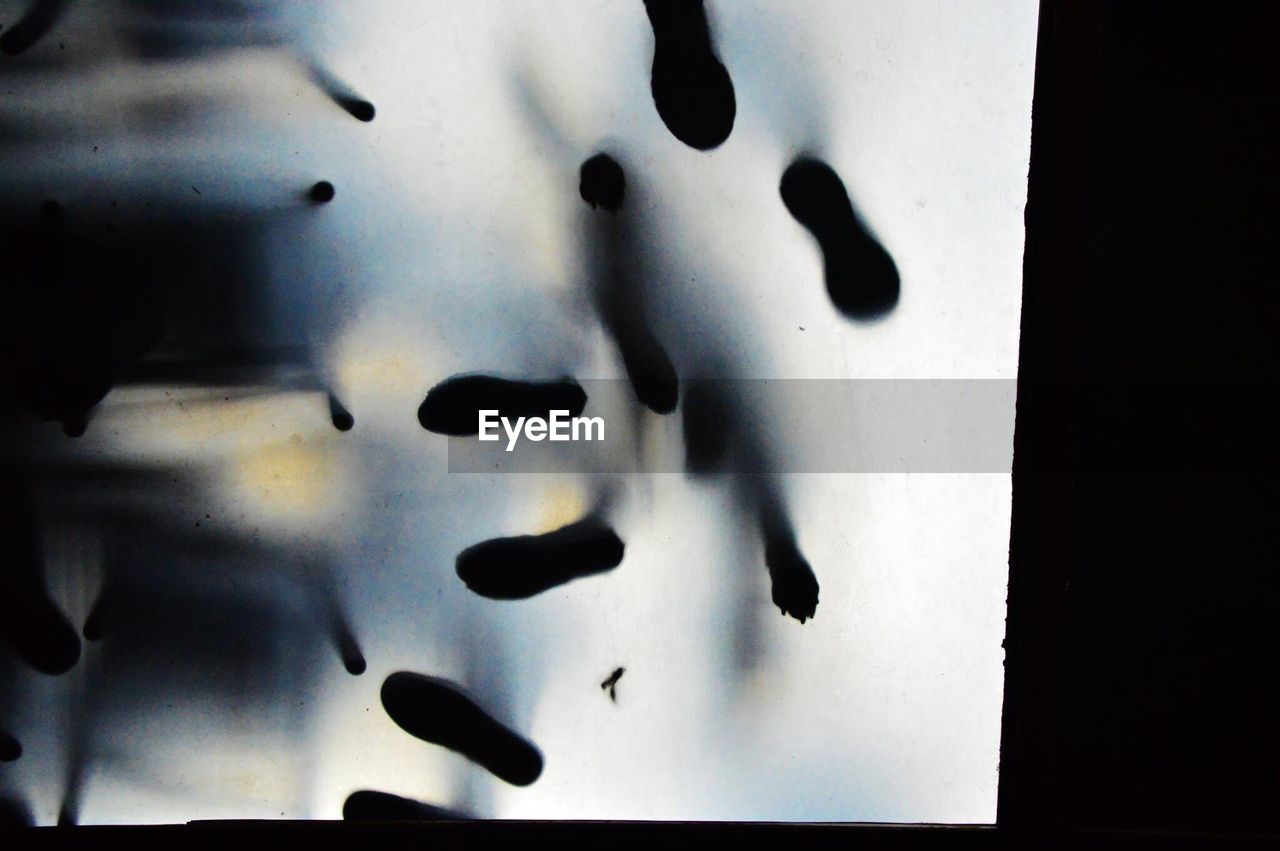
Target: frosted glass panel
x=274, y=269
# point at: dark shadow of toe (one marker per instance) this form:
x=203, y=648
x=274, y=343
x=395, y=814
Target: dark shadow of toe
x=453, y=406
x=367, y=805
x=862, y=279
x=691, y=88
x=438, y=711
x=522, y=566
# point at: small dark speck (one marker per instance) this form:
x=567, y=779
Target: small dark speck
x=801, y=327
x=61, y=46
x=611, y=683
x=197, y=191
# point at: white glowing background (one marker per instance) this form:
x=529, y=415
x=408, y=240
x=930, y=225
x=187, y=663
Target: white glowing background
x=454, y=236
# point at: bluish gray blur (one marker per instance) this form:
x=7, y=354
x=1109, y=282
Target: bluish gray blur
x=244, y=548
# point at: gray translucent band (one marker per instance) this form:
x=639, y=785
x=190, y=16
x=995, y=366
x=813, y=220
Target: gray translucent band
x=769, y=426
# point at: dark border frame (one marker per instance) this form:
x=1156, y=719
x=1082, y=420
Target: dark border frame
x=1034, y=798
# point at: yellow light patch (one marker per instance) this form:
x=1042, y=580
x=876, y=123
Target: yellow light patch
x=559, y=505
x=295, y=478
x=380, y=367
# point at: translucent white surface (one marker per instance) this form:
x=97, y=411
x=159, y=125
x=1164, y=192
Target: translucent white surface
x=454, y=244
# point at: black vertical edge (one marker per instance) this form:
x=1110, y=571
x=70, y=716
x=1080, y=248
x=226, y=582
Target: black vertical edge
x=1032, y=728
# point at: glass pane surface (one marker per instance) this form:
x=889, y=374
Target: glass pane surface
x=261, y=259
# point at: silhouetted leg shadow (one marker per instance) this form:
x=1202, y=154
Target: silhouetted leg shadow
x=707, y=423
x=691, y=87
x=30, y=623
x=342, y=94
x=602, y=183
x=794, y=587
x=121, y=605
x=437, y=711
x=97, y=622
x=352, y=656
x=344, y=639
x=715, y=444
x=10, y=747
x=453, y=406
x=619, y=297
x=862, y=279
x=14, y=812
x=36, y=629
x=340, y=416
x=76, y=313
x=520, y=567
x=75, y=424
x=40, y=17
x=367, y=805
x=653, y=376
